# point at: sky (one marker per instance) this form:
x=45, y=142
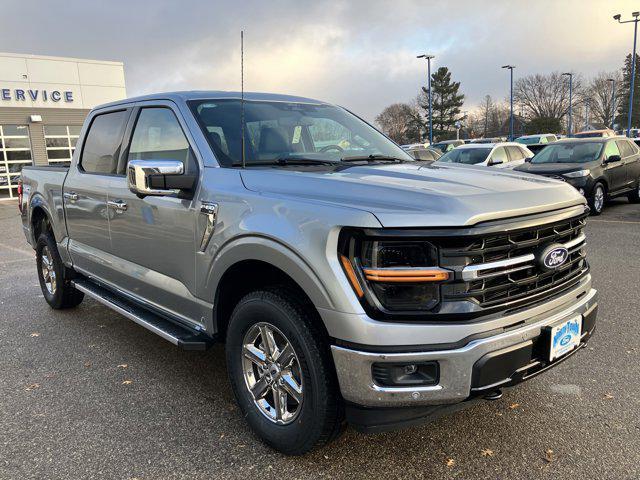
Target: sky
x=359, y=54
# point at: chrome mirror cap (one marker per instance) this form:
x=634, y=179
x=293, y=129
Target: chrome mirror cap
x=139, y=173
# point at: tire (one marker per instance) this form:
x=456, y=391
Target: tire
x=597, y=199
x=55, y=278
x=318, y=418
x=634, y=197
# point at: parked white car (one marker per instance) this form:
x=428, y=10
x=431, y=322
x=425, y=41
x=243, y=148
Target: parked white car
x=500, y=155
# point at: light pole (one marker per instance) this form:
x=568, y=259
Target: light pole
x=613, y=100
x=586, y=114
x=428, y=58
x=570, y=75
x=510, y=67
x=635, y=16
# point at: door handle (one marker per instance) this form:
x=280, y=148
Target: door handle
x=118, y=205
x=71, y=196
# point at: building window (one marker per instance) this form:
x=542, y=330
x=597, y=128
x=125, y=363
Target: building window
x=61, y=142
x=15, y=153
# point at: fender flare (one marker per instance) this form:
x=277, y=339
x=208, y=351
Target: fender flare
x=265, y=249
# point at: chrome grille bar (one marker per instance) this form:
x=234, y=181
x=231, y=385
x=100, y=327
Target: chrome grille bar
x=522, y=262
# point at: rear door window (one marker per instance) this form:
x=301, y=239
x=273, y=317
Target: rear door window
x=515, y=153
x=625, y=149
x=102, y=143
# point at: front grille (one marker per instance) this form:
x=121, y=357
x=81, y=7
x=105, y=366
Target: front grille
x=501, y=269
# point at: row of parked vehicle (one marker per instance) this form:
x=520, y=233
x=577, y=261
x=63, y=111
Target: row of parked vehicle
x=598, y=163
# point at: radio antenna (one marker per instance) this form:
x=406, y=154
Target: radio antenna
x=242, y=94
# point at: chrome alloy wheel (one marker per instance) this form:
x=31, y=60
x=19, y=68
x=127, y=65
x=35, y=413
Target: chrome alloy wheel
x=598, y=198
x=272, y=373
x=48, y=271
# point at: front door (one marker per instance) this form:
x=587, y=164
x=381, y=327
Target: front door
x=154, y=237
x=615, y=172
x=85, y=192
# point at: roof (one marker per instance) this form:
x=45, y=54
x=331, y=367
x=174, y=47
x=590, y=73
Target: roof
x=63, y=59
x=490, y=145
x=538, y=135
x=587, y=139
x=446, y=142
x=183, y=96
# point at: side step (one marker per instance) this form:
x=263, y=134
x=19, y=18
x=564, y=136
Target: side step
x=179, y=335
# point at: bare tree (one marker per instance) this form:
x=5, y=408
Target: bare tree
x=401, y=122
x=600, y=95
x=546, y=96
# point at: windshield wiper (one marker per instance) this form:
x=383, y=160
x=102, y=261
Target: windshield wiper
x=373, y=158
x=291, y=161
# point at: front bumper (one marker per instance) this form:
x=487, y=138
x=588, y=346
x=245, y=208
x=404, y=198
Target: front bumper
x=465, y=371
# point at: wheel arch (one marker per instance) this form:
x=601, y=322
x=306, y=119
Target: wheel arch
x=257, y=262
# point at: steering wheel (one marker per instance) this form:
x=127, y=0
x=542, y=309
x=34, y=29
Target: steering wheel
x=332, y=147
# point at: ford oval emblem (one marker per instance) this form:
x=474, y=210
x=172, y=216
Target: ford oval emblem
x=553, y=257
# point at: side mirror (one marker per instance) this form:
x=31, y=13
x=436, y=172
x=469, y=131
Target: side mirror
x=528, y=159
x=613, y=159
x=157, y=177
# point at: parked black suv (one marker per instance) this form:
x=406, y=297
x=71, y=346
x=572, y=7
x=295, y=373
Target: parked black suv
x=600, y=168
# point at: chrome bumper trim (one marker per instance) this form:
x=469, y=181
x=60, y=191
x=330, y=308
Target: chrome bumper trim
x=354, y=367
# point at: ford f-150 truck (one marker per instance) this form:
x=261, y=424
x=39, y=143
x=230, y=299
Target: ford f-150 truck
x=349, y=283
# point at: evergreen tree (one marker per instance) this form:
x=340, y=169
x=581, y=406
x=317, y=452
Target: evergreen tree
x=446, y=101
x=623, y=92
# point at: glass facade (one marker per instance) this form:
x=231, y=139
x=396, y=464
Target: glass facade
x=60, y=142
x=15, y=153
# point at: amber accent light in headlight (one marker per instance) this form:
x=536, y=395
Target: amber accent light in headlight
x=407, y=275
x=351, y=275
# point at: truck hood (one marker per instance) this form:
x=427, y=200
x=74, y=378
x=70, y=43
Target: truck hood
x=418, y=195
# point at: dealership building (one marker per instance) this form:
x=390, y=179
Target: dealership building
x=43, y=102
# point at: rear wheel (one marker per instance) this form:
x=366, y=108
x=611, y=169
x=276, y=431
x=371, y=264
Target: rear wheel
x=598, y=197
x=281, y=373
x=54, y=277
x=634, y=197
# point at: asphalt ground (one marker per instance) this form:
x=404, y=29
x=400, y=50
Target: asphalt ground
x=85, y=393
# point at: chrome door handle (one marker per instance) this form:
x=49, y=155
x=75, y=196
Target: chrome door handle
x=118, y=205
x=71, y=196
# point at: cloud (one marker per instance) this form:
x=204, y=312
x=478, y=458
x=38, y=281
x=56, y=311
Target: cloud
x=360, y=54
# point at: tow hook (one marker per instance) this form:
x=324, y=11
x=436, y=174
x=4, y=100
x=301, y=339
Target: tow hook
x=495, y=395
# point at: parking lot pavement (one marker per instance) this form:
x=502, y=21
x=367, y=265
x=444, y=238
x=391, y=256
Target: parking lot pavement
x=86, y=393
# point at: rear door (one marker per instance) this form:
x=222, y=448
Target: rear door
x=85, y=191
x=629, y=155
x=154, y=237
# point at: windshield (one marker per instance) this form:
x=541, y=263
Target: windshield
x=569, y=153
x=468, y=156
x=279, y=131
x=528, y=140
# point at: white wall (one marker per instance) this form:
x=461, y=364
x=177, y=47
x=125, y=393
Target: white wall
x=37, y=81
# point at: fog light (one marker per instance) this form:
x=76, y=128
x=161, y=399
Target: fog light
x=581, y=191
x=405, y=374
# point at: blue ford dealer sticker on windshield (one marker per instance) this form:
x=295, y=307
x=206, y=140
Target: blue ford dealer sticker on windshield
x=565, y=337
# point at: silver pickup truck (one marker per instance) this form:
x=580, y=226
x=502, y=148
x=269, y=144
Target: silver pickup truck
x=350, y=283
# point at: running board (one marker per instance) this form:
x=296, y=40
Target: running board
x=179, y=335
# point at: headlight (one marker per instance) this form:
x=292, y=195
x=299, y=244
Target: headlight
x=393, y=275
x=578, y=174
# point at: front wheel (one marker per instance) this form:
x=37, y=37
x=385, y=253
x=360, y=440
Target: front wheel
x=281, y=373
x=54, y=276
x=596, y=202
